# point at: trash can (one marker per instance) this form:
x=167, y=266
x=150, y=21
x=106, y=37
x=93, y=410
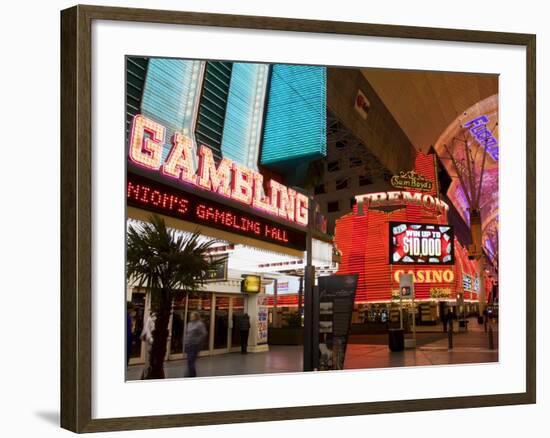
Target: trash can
x=396, y=339
x=480, y=319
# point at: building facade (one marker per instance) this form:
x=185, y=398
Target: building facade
x=214, y=146
x=378, y=241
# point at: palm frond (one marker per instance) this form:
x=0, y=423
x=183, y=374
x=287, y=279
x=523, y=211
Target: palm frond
x=158, y=257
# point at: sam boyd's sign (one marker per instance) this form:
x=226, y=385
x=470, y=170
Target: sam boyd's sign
x=411, y=180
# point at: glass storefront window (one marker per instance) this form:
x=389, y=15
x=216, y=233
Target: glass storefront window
x=178, y=318
x=137, y=314
x=238, y=311
x=221, y=322
x=201, y=303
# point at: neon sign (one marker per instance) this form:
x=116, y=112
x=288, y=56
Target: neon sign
x=484, y=137
x=228, y=179
x=387, y=199
x=428, y=275
x=154, y=196
x=411, y=180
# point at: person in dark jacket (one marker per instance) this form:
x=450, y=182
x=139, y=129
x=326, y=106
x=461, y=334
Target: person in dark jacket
x=450, y=318
x=129, y=334
x=445, y=320
x=244, y=327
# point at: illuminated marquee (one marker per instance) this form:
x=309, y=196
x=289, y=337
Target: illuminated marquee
x=427, y=275
x=160, y=198
x=411, y=180
x=388, y=199
x=228, y=179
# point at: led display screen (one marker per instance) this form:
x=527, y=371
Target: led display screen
x=153, y=196
x=421, y=244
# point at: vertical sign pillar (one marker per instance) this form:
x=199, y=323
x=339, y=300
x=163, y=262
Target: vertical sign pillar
x=482, y=295
x=310, y=347
x=406, y=290
x=275, y=303
x=334, y=309
x=257, y=311
x=309, y=278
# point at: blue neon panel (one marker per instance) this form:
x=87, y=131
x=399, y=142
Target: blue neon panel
x=243, y=117
x=295, y=124
x=213, y=104
x=169, y=93
x=136, y=70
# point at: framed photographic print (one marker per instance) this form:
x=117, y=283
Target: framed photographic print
x=268, y=219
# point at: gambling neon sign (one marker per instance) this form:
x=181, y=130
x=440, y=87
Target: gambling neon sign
x=228, y=179
x=153, y=196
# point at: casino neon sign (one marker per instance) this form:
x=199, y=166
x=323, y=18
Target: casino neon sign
x=399, y=197
x=427, y=275
x=227, y=179
x=154, y=196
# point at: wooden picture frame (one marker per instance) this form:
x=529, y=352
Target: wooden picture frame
x=76, y=217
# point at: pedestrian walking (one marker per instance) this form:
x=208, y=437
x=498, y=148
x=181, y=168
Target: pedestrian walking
x=244, y=327
x=195, y=334
x=129, y=335
x=147, y=337
x=450, y=317
x=444, y=321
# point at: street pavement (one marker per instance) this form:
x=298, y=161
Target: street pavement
x=363, y=351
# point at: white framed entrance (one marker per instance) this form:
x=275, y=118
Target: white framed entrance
x=218, y=311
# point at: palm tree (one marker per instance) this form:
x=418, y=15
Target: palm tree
x=164, y=261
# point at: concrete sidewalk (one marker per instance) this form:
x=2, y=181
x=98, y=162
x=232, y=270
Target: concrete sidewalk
x=279, y=359
x=363, y=351
x=473, y=325
x=468, y=347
